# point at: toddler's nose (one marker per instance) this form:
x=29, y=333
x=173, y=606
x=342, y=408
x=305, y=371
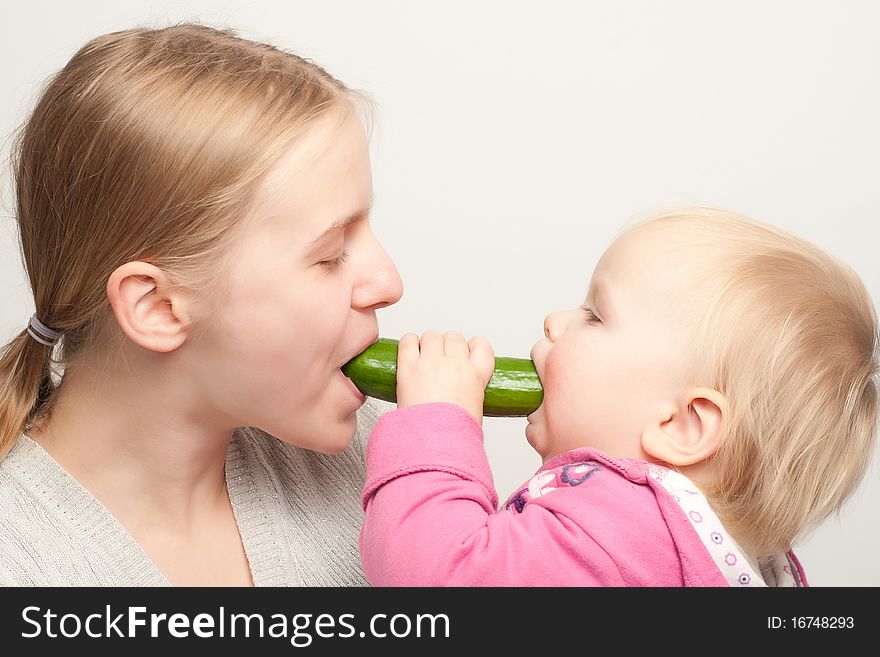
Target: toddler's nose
x=551, y=326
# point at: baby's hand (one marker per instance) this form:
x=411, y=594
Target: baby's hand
x=444, y=368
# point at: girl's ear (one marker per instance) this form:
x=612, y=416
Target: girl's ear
x=149, y=310
x=689, y=434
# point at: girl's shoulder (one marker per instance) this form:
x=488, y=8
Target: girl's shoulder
x=26, y=474
x=31, y=532
x=55, y=533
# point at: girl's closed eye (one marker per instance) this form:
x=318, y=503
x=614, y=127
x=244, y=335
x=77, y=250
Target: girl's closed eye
x=334, y=263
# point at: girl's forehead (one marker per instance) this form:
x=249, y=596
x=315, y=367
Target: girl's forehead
x=302, y=161
x=320, y=178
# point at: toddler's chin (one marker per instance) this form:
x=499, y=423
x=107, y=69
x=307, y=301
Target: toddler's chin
x=534, y=437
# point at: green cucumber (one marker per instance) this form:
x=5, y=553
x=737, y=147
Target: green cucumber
x=513, y=391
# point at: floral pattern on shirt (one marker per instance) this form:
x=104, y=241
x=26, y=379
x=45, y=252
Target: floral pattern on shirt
x=546, y=481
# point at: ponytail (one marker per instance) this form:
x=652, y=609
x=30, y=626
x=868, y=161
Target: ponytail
x=26, y=386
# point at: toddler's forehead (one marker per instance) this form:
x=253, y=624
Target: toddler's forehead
x=658, y=258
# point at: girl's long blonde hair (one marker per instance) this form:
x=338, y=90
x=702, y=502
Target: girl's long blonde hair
x=789, y=335
x=147, y=145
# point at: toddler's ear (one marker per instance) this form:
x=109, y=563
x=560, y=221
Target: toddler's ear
x=689, y=434
x=148, y=309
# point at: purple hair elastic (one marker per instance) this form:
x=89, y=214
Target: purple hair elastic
x=42, y=333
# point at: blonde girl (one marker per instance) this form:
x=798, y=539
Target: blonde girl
x=194, y=218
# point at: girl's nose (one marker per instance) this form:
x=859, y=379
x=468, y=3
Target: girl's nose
x=379, y=284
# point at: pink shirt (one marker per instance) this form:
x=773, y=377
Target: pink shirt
x=584, y=519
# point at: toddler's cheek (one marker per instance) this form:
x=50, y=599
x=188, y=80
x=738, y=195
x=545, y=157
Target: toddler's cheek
x=539, y=356
x=557, y=375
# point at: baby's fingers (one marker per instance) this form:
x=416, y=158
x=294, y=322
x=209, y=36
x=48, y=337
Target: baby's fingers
x=482, y=357
x=431, y=344
x=455, y=345
x=407, y=350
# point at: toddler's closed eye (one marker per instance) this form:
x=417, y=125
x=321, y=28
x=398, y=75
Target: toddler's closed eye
x=591, y=317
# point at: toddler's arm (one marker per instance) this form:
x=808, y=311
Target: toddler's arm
x=430, y=500
x=431, y=521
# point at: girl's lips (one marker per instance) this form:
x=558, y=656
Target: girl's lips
x=351, y=386
x=372, y=340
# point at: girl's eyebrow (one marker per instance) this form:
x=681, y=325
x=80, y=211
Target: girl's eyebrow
x=345, y=222
x=342, y=223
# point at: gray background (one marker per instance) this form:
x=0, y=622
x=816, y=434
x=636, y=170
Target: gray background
x=513, y=142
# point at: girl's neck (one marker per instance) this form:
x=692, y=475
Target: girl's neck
x=139, y=446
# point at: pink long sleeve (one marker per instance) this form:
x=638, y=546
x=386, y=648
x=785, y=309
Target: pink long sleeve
x=431, y=516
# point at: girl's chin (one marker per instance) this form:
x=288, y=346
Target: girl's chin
x=328, y=432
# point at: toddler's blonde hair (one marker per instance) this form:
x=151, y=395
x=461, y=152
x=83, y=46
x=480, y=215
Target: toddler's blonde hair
x=790, y=337
x=148, y=145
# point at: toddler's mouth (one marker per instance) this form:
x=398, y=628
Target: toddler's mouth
x=533, y=416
